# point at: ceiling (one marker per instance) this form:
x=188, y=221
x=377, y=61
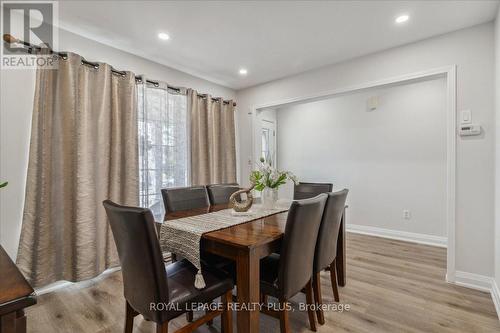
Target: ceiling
x=271, y=39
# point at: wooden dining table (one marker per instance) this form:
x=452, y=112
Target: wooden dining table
x=16, y=294
x=246, y=244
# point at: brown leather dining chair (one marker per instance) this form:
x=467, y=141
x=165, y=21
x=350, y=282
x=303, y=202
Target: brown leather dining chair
x=326, y=247
x=220, y=193
x=310, y=190
x=184, y=198
x=160, y=293
x=286, y=274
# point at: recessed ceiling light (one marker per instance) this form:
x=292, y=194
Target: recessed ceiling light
x=243, y=71
x=402, y=19
x=163, y=36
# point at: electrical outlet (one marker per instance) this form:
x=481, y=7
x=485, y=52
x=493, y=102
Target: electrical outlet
x=406, y=214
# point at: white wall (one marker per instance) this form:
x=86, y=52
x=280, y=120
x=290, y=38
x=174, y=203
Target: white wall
x=390, y=159
x=472, y=50
x=497, y=196
x=16, y=96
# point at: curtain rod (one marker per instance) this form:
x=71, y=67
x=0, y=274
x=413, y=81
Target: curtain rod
x=30, y=47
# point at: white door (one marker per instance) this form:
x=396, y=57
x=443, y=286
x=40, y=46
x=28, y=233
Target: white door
x=268, y=143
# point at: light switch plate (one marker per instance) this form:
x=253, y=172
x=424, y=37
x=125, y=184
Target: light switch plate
x=466, y=117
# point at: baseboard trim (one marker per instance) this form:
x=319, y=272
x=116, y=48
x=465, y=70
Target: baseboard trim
x=82, y=284
x=398, y=235
x=495, y=295
x=479, y=282
x=474, y=281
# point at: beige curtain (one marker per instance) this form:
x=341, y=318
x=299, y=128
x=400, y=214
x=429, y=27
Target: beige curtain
x=212, y=140
x=83, y=150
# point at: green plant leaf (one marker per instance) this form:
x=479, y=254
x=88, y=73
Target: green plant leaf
x=259, y=187
x=3, y=184
x=280, y=181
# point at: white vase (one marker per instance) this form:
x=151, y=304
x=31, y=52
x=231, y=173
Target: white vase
x=269, y=198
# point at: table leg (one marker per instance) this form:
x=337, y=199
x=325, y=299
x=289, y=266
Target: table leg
x=248, y=284
x=8, y=323
x=340, y=260
x=20, y=321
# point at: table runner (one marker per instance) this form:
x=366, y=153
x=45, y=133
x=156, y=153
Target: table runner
x=183, y=236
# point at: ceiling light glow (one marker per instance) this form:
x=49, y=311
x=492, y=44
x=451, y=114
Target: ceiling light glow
x=163, y=36
x=243, y=71
x=402, y=19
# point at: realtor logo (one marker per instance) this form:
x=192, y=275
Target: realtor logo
x=28, y=34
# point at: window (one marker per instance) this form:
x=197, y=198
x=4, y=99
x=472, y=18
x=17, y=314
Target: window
x=163, y=144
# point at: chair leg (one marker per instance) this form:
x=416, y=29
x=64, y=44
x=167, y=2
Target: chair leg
x=310, y=303
x=263, y=299
x=283, y=314
x=318, y=298
x=227, y=315
x=173, y=257
x=162, y=328
x=333, y=278
x=210, y=322
x=129, y=318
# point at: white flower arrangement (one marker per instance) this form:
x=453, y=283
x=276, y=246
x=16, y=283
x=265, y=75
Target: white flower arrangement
x=268, y=176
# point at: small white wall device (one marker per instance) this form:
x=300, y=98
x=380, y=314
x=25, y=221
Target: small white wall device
x=466, y=117
x=467, y=128
x=372, y=103
x=470, y=129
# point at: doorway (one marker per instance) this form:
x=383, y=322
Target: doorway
x=449, y=74
x=265, y=140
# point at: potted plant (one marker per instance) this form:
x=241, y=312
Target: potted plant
x=268, y=179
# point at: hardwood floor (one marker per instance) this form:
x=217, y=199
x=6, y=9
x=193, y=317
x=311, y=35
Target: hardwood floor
x=392, y=286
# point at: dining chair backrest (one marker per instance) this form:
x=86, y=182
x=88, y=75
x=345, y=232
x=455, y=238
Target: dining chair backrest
x=143, y=270
x=299, y=243
x=326, y=245
x=184, y=198
x=220, y=193
x=310, y=190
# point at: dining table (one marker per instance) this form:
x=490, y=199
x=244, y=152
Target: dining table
x=246, y=244
x=16, y=294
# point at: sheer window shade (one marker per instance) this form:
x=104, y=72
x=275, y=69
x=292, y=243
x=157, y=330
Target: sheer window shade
x=163, y=144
